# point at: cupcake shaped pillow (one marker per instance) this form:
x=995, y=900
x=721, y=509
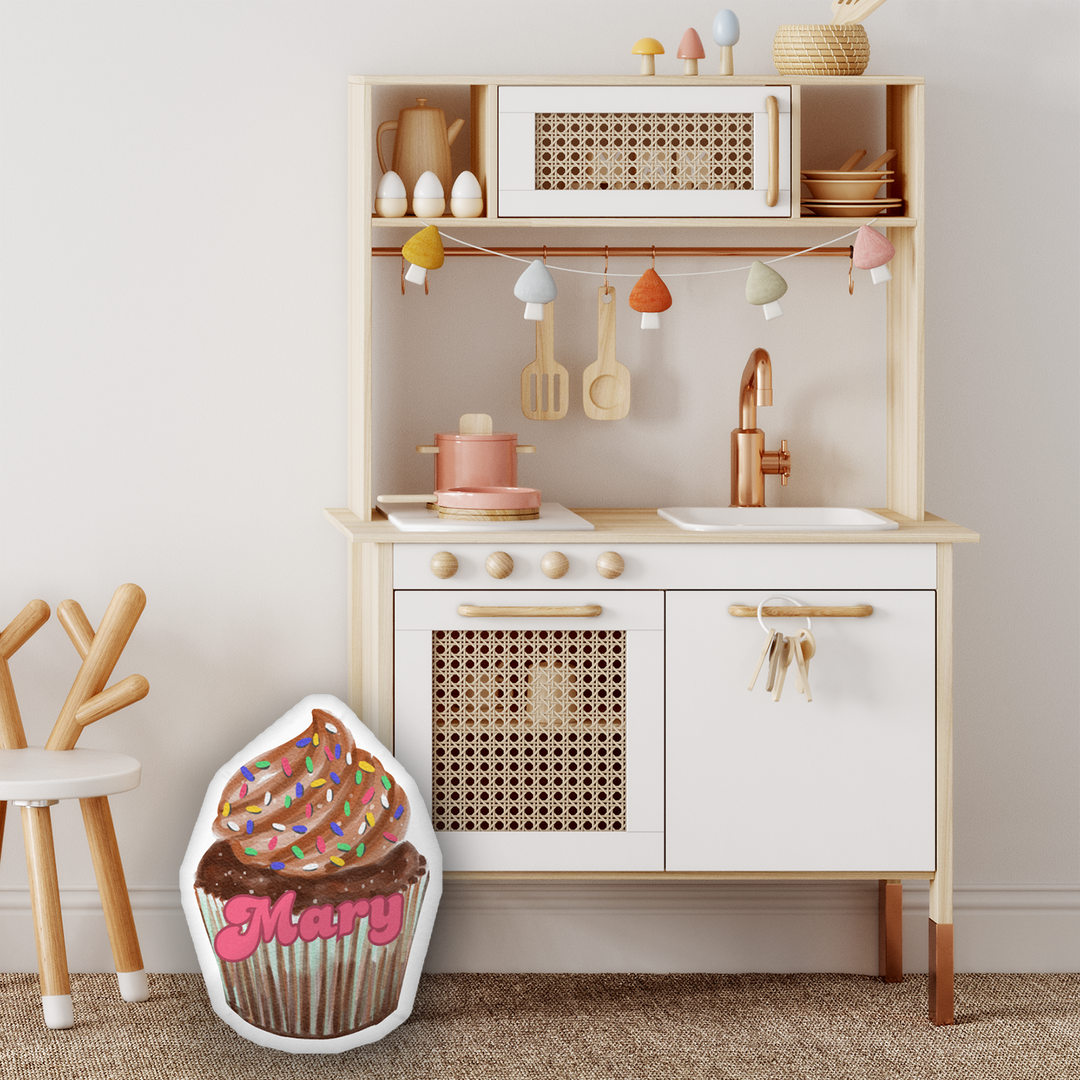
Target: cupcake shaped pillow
x=311, y=883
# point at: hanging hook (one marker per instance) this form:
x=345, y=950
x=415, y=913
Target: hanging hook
x=402, y=275
x=850, y=267
x=545, y=254
x=605, y=265
x=654, y=256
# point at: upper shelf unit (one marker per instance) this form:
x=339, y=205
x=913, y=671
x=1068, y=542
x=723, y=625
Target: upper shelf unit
x=828, y=118
x=701, y=151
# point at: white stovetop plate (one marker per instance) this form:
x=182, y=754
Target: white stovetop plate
x=416, y=517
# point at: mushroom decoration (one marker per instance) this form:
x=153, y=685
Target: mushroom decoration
x=764, y=287
x=690, y=51
x=425, y=251
x=650, y=296
x=725, y=32
x=648, y=48
x=873, y=252
x=537, y=288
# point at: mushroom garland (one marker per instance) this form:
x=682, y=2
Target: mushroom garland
x=650, y=296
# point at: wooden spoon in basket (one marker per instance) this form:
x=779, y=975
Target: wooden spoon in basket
x=853, y=11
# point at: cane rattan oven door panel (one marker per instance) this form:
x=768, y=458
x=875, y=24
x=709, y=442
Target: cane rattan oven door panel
x=639, y=151
x=537, y=739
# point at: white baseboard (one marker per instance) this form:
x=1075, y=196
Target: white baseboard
x=638, y=927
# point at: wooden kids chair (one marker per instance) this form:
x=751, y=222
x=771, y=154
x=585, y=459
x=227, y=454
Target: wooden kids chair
x=34, y=778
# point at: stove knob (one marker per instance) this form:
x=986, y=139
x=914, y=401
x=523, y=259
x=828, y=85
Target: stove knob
x=443, y=564
x=555, y=564
x=499, y=564
x=610, y=564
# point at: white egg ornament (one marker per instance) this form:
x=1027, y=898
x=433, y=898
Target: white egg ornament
x=466, y=198
x=391, y=198
x=428, y=198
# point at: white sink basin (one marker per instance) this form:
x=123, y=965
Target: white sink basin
x=776, y=519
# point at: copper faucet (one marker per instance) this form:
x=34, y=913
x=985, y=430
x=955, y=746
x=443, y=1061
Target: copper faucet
x=750, y=461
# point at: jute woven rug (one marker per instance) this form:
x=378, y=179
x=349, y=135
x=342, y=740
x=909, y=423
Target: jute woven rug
x=512, y=1027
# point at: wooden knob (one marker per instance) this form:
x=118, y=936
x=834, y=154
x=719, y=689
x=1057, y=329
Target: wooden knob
x=443, y=564
x=499, y=564
x=554, y=564
x=610, y=564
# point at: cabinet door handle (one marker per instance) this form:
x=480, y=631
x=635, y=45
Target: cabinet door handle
x=773, y=194
x=585, y=611
x=853, y=611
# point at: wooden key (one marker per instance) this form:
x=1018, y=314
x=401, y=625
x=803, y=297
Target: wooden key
x=761, y=659
x=786, y=652
x=774, y=660
x=800, y=662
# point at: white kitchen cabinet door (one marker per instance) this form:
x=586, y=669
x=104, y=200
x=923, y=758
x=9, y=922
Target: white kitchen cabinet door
x=845, y=782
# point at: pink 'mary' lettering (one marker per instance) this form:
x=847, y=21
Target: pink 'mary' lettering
x=385, y=918
x=250, y=920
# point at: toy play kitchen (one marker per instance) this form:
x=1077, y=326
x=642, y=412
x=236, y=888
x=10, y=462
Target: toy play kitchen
x=611, y=661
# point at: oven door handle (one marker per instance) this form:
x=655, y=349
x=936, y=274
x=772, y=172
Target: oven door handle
x=474, y=611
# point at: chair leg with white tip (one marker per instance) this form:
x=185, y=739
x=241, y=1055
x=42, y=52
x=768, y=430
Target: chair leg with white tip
x=119, y=920
x=48, y=922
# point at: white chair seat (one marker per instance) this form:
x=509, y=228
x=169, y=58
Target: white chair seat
x=33, y=773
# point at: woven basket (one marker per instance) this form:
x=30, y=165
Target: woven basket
x=821, y=49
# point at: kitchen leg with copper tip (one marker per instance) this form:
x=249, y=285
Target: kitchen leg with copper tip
x=891, y=930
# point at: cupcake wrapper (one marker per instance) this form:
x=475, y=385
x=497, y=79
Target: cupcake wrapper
x=320, y=989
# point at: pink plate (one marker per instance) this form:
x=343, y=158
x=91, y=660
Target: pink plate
x=489, y=498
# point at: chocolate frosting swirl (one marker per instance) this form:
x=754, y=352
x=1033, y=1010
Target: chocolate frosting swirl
x=313, y=805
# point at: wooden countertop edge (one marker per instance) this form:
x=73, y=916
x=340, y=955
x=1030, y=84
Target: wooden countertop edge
x=536, y=876
x=644, y=526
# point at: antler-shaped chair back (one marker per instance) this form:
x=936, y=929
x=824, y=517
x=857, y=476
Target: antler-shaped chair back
x=23, y=627
x=88, y=700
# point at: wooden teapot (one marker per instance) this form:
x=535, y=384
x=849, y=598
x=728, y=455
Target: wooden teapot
x=422, y=144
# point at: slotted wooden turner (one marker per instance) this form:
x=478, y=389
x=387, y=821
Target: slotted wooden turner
x=551, y=398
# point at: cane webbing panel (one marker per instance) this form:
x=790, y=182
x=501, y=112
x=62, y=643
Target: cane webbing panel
x=529, y=730
x=644, y=151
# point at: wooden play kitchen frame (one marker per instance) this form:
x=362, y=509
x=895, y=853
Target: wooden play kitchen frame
x=375, y=545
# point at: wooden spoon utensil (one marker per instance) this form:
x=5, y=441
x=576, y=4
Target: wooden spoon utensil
x=606, y=382
x=852, y=161
x=853, y=11
x=548, y=397
x=878, y=162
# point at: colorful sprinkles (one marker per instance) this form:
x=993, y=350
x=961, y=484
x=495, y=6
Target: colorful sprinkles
x=261, y=778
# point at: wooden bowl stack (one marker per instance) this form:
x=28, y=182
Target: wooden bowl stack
x=847, y=194
x=821, y=49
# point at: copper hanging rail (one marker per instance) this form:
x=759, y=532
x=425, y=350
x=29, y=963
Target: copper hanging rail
x=555, y=252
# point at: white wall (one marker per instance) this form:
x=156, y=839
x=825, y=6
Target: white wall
x=172, y=412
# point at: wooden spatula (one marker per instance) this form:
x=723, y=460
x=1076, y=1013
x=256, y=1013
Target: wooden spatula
x=606, y=383
x=549, y=397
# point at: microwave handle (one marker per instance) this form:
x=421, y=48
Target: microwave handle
x=773, y=194
x=474, y=611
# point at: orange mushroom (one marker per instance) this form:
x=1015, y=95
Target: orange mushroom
x=690, y=51
x=647, y=48
x=650, y=296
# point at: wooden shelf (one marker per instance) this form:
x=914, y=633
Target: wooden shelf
x=450, y=224
x=645, y=526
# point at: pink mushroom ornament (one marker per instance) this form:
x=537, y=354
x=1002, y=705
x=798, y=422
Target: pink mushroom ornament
x=873, y=252
x=690, y=51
